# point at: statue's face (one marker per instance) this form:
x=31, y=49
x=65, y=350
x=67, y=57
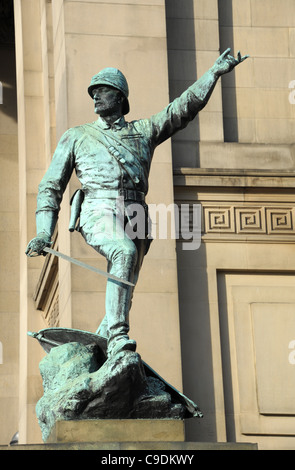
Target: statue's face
x=107, y=100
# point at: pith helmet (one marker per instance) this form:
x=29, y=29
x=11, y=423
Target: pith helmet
x=111, y=77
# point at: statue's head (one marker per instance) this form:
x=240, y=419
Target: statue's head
x=114, y=78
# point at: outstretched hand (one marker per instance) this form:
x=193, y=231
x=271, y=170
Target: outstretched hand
x=226, y=63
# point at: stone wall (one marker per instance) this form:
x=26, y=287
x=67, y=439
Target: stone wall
x=255, y=99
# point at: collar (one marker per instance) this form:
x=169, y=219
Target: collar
x=117, y=125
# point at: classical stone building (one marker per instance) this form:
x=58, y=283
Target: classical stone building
x=217, y=322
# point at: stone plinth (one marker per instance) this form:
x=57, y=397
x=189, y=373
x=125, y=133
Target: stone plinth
x=117, y=430
x=126, y=435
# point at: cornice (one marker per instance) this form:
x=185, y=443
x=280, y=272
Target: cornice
x=217, y=177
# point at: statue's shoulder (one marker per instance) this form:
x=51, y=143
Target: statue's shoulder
x=84, y=129
x=73, y=134
x=76, y=131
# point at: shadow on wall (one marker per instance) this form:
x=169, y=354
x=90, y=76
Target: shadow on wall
x=182, y=72
x=196, y=342
x=226, y=37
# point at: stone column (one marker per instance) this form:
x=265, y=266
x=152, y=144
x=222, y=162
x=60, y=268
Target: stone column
x=33, y=150
x=9, y=237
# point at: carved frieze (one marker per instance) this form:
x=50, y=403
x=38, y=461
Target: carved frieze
x=240, y=220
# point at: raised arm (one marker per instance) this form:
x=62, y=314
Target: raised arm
x=225, y=63
x=184, y=109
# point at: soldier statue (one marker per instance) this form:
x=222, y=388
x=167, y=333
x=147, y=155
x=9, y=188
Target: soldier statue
x=112, y=159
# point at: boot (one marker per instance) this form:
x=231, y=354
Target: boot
x=119, y=344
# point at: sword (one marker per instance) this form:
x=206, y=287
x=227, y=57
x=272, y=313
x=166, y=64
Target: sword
x=86, y=266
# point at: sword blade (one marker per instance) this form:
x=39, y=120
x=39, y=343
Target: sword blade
x=86, y=266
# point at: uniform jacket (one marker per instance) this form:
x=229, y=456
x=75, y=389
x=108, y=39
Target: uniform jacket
x=81, y=148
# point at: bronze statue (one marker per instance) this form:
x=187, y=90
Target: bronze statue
x=112, y=159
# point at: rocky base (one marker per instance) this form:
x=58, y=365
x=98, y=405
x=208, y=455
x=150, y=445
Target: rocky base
x=80, y=384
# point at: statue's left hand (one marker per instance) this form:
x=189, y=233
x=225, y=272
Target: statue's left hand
x=226, y=63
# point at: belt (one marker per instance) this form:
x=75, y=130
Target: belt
x=127, y=194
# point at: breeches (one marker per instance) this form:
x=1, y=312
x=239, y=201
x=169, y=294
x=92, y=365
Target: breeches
x=108, y=237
